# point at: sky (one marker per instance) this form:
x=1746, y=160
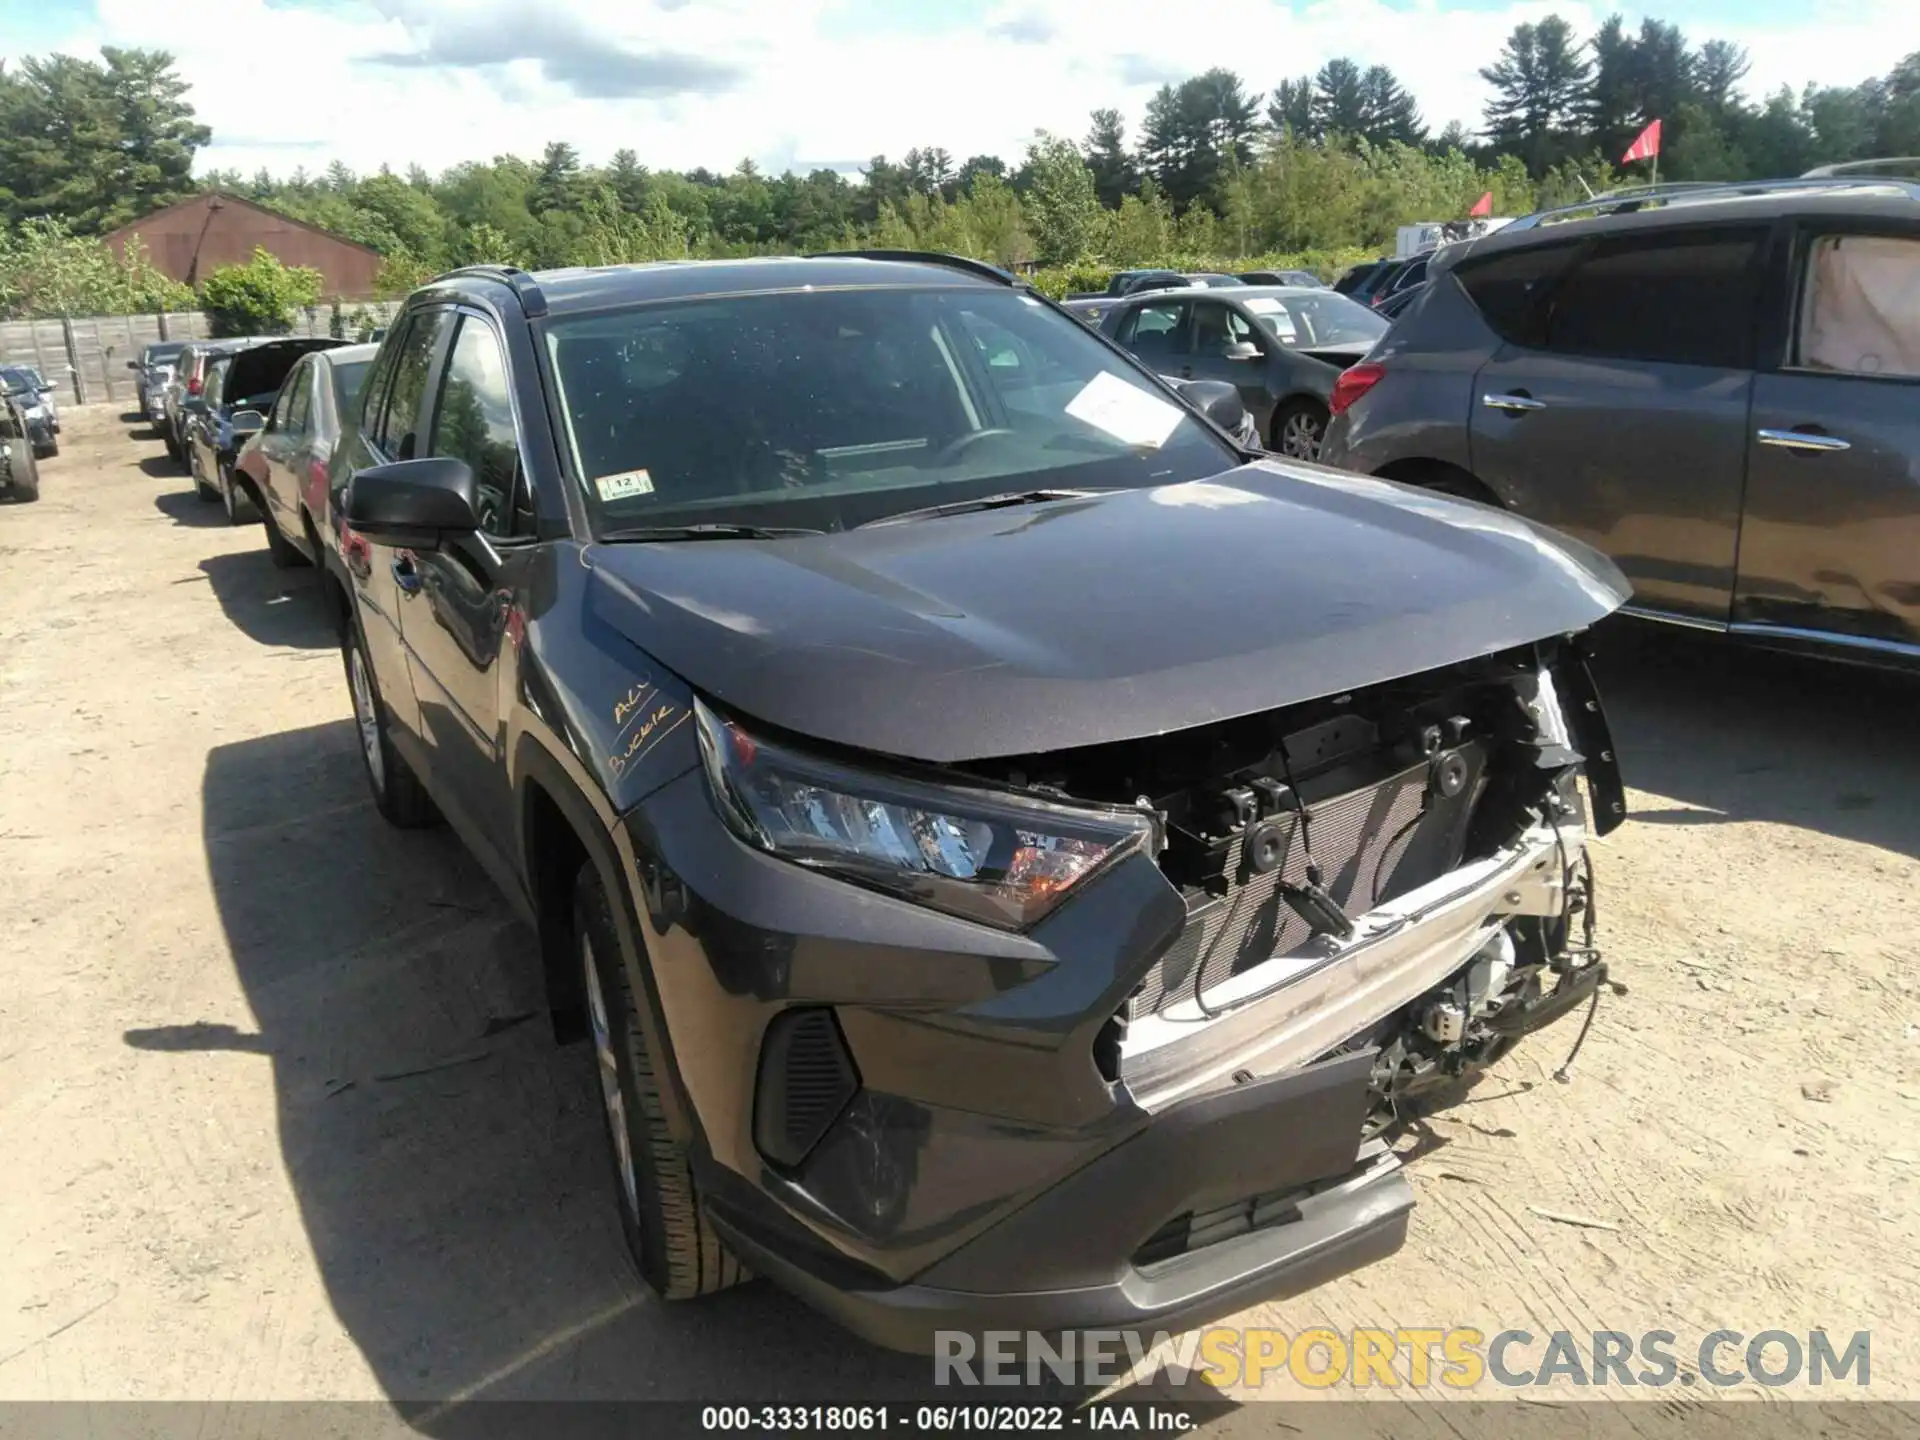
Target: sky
x=807, y=83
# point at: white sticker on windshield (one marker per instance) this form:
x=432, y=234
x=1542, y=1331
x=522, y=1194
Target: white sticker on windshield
x=1130, y=415
x=1264, y=305
x=625, y=485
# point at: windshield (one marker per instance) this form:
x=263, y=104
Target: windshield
x=1318, y=318
x=830, y=409
x=17, y=382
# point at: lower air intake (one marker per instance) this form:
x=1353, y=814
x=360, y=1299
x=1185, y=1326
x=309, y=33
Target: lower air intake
x=806, y=1080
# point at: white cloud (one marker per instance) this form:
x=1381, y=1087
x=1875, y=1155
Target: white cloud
x=796, y=82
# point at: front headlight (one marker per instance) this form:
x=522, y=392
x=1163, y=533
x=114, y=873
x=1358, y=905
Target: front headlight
x=992, y=856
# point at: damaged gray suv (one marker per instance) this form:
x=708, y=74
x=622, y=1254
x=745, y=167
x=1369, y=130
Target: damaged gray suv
x=1011, y=851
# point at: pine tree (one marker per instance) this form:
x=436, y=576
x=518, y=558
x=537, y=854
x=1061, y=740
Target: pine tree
x=1539, y=84
x=1388, y=112
x=1114, y=176
x=1290, y=111
x=1339, y=99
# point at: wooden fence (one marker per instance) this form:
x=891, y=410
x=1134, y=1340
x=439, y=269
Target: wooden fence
x=86, y=358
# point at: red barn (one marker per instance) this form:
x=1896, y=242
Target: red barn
x=193, y=237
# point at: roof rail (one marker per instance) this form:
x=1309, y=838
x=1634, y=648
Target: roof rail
x=927, y=257
x=1865, y=169
x=532, y=299
x=1625, y=201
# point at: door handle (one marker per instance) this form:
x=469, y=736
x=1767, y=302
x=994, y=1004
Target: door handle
x=405, y=576
x=1515, y=404
x=1804, y=441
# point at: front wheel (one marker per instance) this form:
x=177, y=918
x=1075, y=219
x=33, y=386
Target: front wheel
x=22, y=472
x=672, y=1242
x=232, y=496
x=397, y=791
x=1299, y=428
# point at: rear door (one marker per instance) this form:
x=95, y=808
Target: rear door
x=203, y=422
x=1617, y=409
x=454, y=627
x=1228, y=346
x=1831, y=539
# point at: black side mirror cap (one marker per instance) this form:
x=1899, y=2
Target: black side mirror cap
x=416, y=504
x=1218, y=401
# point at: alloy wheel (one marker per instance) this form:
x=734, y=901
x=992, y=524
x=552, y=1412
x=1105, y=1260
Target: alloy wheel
x=1301, y=434
x=607, y=1062
x=367, y=717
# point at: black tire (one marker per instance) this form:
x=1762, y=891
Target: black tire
x=1299, y=429
x=673, y=1244
x=283, y=552
x=23, y=472
x=397, y=791
x=232, y=496
x=1458, y=484
x=46, y=451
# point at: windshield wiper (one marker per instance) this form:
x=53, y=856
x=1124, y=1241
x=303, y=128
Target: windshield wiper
x=707, y=531
x=984, y=502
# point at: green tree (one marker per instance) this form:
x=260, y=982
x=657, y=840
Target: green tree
x=557, y=185
x=1114, y=176
x=1192, y=134
x=1539, y=86
x=1290, y=110
x=1388, y=114
x=1339, y=100
x=259, y=297
x=47, y=270
x=95, y=144
x=1062, y=207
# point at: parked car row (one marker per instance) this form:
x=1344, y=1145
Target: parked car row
x=38, y=420
x=1716, y=386
x=1281, y=347
x=977, y=909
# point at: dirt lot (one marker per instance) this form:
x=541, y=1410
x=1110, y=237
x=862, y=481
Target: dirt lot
x=272, y=1130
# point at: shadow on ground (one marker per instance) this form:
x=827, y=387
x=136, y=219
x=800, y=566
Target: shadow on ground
x=164, y=467
x=1732, y=732
x=268, y=604
x=448, y=1160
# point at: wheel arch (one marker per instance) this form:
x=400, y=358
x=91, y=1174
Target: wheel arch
x=1443, y=476
x=560, y=831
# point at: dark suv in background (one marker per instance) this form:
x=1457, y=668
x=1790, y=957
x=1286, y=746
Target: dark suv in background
x=237, y=385
x=985, y=909
x=1719, y=387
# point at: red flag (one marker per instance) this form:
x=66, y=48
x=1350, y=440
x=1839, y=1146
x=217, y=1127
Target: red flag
x=1482, y=206
x=1645, y=147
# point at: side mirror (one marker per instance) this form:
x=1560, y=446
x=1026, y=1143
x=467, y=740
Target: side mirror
x=1243, y=350
x=247, y=422
x=1218, y=401
x=413, y=503
x=133, y=364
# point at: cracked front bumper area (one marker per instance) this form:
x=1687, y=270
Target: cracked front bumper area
x=988, y=1168
x=1300, y=1005
x=1203, y=1213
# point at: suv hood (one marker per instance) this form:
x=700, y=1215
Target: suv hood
x=1081, y=622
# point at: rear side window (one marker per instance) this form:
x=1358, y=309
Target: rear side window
x=1860, y=306
x=1503, y=287
x=1682, y=298
x=1156, y=329
x=299, y=383
x=397, y=431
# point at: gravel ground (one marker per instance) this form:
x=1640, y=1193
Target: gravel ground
x=275, y=1130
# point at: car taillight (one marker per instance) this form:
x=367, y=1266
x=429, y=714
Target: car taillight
x=1354, y=381
x=193, y=385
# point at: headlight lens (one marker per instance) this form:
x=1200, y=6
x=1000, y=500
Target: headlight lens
x=991, y=856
